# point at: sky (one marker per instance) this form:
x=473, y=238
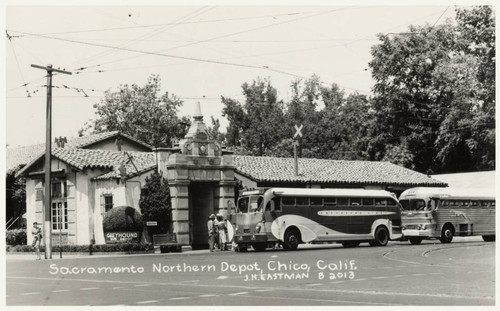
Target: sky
x=200, y=52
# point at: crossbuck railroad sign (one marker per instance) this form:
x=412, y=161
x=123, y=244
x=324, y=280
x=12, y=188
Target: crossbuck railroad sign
x=298, y=131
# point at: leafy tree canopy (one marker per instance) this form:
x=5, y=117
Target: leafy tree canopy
x=142, y=112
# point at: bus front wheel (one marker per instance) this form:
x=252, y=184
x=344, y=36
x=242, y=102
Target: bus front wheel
x=447, y=234
x=259, y=247
x=489, y=238
x=240, y=249
x=292, y=239
x=381, y=237
x=415, y=241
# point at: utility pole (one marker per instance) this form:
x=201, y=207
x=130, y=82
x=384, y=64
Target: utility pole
x=47, y=199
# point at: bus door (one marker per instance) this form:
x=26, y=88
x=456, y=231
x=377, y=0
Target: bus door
x=271, y=212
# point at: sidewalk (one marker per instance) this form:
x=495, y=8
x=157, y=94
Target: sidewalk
x=55, y=255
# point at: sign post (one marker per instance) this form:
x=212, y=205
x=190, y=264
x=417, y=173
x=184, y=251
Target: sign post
x=296, y=136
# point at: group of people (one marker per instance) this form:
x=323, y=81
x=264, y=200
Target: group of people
x=217, y=232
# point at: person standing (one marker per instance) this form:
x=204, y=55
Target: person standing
x=222, y=229
x=212, y=232
x=36, y=232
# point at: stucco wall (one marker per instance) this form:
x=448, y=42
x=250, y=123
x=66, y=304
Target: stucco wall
x=124, y=194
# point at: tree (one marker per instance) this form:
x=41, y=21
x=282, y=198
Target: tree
x=257, y=125
x=141, y=112
x=155, y=203
x=434, y=94
x=15, y=203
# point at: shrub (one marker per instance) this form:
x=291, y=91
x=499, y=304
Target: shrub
x=16, y=237
x=122, y=218
x=155, y=203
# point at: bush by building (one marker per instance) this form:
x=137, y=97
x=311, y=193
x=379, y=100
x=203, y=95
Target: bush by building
x=16, y=237
x=122, y=218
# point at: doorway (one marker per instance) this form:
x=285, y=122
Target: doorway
x=201, y=205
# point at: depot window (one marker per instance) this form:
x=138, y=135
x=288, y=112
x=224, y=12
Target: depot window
x=59, y=214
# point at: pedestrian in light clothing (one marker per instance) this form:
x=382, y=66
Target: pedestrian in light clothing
x=36, y=232
x=222, y=229
x=212, y=232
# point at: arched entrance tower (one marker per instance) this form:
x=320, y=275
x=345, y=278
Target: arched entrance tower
x=201, y=180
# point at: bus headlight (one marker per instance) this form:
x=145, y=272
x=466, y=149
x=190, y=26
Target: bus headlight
x=258, y=227
x=424, y=227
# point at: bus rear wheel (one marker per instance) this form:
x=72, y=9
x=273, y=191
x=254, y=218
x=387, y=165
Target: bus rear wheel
x=415, y=241
x=447, y=234
x=381, y=237
x=350, y=244
x=292, y=239
x=489, y=238
x=259, y=247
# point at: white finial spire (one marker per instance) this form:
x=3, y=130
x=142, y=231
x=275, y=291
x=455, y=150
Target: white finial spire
x=197, y=112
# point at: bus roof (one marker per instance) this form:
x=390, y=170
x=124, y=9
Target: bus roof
x=448, y=192
x=331, y=192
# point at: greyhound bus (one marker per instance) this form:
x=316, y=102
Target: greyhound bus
x=291, y=216
x=443, y=213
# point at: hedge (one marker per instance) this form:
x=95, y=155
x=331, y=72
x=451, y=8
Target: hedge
x=122, y=218
x=125, y=247
x=16, y=237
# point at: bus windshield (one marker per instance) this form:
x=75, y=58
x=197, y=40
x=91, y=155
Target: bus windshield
x=250, y=204
x=413, y=205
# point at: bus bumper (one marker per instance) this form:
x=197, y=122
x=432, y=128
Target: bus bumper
x=417, y=233
x=248, y=239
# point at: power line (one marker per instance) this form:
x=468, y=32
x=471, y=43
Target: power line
x=176, y=23
x=150, y=53
x=440, y=16
x=17, y=62
x=234, y=33
x=151, y=34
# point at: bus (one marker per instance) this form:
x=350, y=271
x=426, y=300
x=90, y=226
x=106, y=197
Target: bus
x=442, y=213
x=290, y=216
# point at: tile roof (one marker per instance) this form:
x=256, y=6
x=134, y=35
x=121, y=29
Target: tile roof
x=104, y=159
x=270, y=169
x=19, y=156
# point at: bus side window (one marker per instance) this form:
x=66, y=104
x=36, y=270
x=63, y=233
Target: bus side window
x=288, y=201
x=484, y=203
x=474, y=203
x=303, y=201
x=380, y=202
x=316, y=201
x=330, y=201
x=355, y=201
x=268, y=206
x=391, y=202
x=431, y=205
x=277, y=204
x=446, y=203
x=368, y=202
x=343, y=201
x=492, y=203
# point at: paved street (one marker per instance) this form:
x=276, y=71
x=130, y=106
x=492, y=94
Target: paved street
x=460, y=273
